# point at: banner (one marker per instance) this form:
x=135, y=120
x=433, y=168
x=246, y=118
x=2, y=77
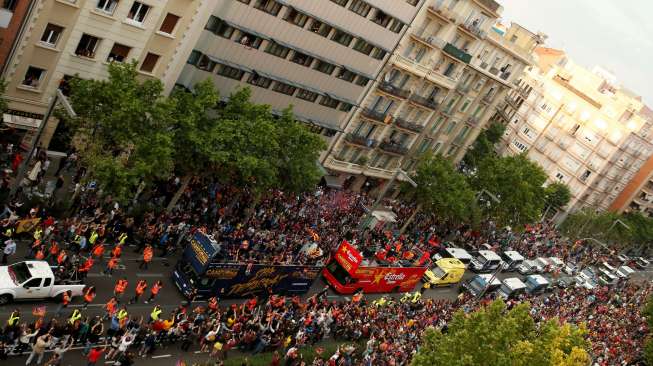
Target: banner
x=27, y=225
x=200, y=251
x=348, y=257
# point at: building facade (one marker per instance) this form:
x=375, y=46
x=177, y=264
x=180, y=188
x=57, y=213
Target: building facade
x=318, y=56
x=62, y=38
x=12, y=16
x=436, y=93
x=579, y=126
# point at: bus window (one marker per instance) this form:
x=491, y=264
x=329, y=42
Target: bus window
x=339, y=273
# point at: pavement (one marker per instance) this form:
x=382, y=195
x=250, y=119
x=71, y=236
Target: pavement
x=169, y=298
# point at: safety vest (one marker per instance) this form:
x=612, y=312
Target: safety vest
x=89, y=296
x=112, y=263
x=37, y=233
x=121, y=285
x=117, y=251
x=13, y=318
x=122, y=314
x=93, y=237
x=111, y=307
x=9, y=232
x=122, y=238
x=62, y=257
x=155, y=313
x=39, y=255
x=75, y=316
x=140, y=287
x=213, y=303
x=54, y=249
x=98, y=250
x=147, y=254
x=155, y=288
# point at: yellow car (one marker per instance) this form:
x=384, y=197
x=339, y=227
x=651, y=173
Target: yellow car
x=447, y=271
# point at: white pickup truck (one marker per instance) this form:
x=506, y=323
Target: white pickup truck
x=32, y=280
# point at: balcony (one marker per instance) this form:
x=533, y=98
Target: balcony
x=503, y=113
x=474, y=121
x=442, y=13
x=448, y=112
x=393, y=147
x=462, y=89
x=376, y=116
x=360, y=140
x=505, y=75
x=425, y=102
x=410, y=126
x=512, y=102
x=393, y=90
x=457, y=53
x=491, y=5
x=431, y=41
x=494, y=71
x=473, y=30
x=488, y=99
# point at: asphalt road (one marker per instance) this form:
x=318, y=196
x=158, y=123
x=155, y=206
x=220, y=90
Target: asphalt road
x=169, y=298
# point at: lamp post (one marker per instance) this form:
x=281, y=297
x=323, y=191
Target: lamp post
x=378, y=201
x=57, y=98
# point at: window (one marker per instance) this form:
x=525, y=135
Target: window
x=327, y=101
x=276, y=49
x=378, y=53
x=8, y=4
x=360, y=7
x=342, y=38
x=381, y=18
x=138, y=12
x=302, y=59
x=206, y=64
x=412, y=2
x=51, y=35
x=33, y=77
x=34, y=282
x=231, y=72
x=296, y=18
x=450, y=127
x=362, y=80
x=325, y=67
x=169, y=23
x=149, y=63
x=118, y=53
x=345, y=107
x=194, y=57
x=463, y=133
x=465, y=105
x=560, y=176
x=346, y=75
x=363, y=47
x=306, y=95
x=258, y=80
x=47, y=282
x=340, y=2
x=87, y=45
x=284, y=88
x=396, y=25
x=249, y=40
x=268, y=6
x=219, y=27
x=521, y=147
x=107, y=6
x=320, y=28
x=425, y=145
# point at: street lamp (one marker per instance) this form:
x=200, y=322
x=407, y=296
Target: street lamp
x=378, y=201
x=57, y=98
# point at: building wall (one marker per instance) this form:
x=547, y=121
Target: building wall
x=11, y=21
x=436, y=93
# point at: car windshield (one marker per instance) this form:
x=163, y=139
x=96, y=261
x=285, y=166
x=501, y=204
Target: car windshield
x=438, y=272
x=19, y=273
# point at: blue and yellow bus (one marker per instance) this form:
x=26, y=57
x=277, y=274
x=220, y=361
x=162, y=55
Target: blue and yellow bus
x=200, y=269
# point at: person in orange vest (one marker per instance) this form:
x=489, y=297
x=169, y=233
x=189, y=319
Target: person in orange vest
x=98, y=251
x=119, y=289
x=213, y=305
x=111, y=265
x=40, y=254
x=148, y=253
x=65, y=300
x=117, y=251
x=89, y=295
x=110, y=307
x=154, y=291
x=62, y=257
x=85, y=267
x=140, y=289
x=54, y=250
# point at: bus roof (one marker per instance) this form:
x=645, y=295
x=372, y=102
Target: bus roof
x=459, y=253
x=513, y=255
x=489, y=255
x=450, y=263
x=514, y=283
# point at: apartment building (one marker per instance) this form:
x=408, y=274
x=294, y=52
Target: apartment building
x=436, y=93
x=583, y=129
x=12, y=16
x=318, y=56
x=62, y=38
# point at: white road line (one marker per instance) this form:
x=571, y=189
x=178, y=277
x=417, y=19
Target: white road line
x=149, y=274
x=162, y=356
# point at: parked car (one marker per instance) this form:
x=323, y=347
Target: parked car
x=642, y=263
x=544, y=263
x=511, y=260
x=481, y=282
x=569, y=269
x=529, y=266
x=623, y=258
x=486, y=261
x=446, y=272
x=624, y=272
x=565, y=281
x=536, y=284
x=607, y=278
x=511, y=288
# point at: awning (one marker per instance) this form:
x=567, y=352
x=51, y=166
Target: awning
x=229, y=63
x=21, y=122
x=333, y=181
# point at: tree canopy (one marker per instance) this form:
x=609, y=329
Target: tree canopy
x=494, y=336
x=484, y=145
x=517, y=182
x=557, y=195
x=441, y=189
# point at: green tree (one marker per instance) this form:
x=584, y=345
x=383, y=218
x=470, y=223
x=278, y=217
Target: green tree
x=495, y=337
x=557, y=195
x=3, y=101
x=517, y=182
x=441, y=189
x=484, y=145
x=620, y=231
x=122, y=130
x=194, y=131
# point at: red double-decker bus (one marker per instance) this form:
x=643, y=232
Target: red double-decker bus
x=346, y=274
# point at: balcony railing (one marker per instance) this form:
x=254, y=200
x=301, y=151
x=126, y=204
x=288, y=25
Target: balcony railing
x=488, y=99
x=474, y=121
x=360, y=140
x=457, y=53
x=393, y=147
x=377, y=116
x=462, y=88
x=490, y=4
x=474, y=30
x=447, y=112
x=429, y=39
x=443, y=13
x=410, y=126
x=396, y=91
x=505, y=75
x=426, y=102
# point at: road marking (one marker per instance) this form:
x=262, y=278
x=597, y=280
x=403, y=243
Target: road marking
x=109, y=362
x=95, y=275
x=81, y=305
x=162, y=356
x=149, y=274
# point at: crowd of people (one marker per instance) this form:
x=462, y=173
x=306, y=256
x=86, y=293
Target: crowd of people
x=279, y=228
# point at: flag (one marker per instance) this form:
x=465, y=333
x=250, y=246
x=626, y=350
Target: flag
x=27, y=225
x=39, y=311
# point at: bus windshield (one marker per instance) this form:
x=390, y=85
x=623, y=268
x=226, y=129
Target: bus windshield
x=338, y=272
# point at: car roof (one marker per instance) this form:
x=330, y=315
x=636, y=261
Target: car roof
x=626, y=269
x=485, y=277
x=514, y=283
x=459, y=253
x=39, y=268
x=450, y=263
x=556, y=260
x=489, y=255
x=513, y=255
x=538, y=279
